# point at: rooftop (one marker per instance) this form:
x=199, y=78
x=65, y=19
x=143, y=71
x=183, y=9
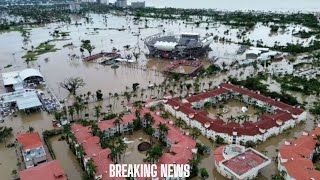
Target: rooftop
x=48, y=171
x=15, y=77
x=297, y=154
x=245, y=162
x=29, y=141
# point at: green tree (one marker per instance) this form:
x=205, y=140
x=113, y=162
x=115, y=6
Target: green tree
x=86, y=44
x=204, y=173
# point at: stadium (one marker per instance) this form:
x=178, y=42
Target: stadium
x=181, y=46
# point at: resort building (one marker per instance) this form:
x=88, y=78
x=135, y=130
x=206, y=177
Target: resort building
x=295, y=156
x=237, y=162
x=49, y=171
x=19, y=80
x=182, y=147
x=31, y=149
x=279, y=116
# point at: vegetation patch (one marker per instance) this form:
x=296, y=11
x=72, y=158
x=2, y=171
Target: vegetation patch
x=42, y=48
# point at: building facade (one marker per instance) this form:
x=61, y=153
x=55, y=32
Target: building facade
x=121, y=3
x=295, y=156
x=279, y=118
x=138, y=4
x=31, y=149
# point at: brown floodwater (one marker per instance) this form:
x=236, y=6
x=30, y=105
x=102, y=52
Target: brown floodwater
x=66, y=62
x=233, y=108
x=67, y=159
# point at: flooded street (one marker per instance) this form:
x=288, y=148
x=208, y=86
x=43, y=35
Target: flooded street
x=67, y=159
x=67, y=62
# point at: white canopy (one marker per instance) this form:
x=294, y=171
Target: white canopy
x=24, y=74
x=165, y=46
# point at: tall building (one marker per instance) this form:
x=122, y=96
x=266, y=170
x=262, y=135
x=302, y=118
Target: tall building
x=104, y=1
x=138, y=4
x=121, y=3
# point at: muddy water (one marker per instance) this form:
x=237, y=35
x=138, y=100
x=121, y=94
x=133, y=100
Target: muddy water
x=57, y=66
x=234, y=109
x=67, y=159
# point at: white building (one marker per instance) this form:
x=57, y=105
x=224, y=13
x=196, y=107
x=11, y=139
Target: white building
x=295, y=157
x=17, y=80
x=280, y=117
x=74, y=7
x=32, y=149
x=236, y=162
x=280, y=68
x=121, y=3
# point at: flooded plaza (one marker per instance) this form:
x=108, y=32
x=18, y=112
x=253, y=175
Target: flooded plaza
x=67, y=62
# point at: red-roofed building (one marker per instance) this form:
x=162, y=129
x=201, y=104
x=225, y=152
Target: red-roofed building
x=46, y=171
x=236, y=162
x=295, y=157
x=182, y=147
x=31, y=148
x=281, y=117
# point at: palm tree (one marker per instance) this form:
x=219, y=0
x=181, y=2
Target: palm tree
x=30, y=130
x=219, y=115
x=178, y=123
x=207, y=105
x=246, y=117
x=240, y=118
x=91, y=168
x=58, y=116
x=71, y=112
x=80, y=153
x=148, y=119
x=95, y=129
x=231, y=119
x=163, y=130
x=97, y=110
x=118, y=121
x=195, y=133
x=154, y=154
x=121, y=148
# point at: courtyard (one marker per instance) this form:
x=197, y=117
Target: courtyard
x=234, y=111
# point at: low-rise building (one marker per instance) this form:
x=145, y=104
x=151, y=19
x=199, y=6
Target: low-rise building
x=237, y=162
x=182, y=147
x=18, y=80
x=32, y=149
x=295, y=157
x=47, y=171
x=280, y=116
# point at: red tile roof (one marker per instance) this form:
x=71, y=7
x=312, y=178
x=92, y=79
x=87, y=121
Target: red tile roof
x=104, y=125
x=29, y=140
x=244, y=162
x=298, y=154
x=182, y=144
x=281, y=105
x=48, y=171
x=267, y=121
x=218, y=154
